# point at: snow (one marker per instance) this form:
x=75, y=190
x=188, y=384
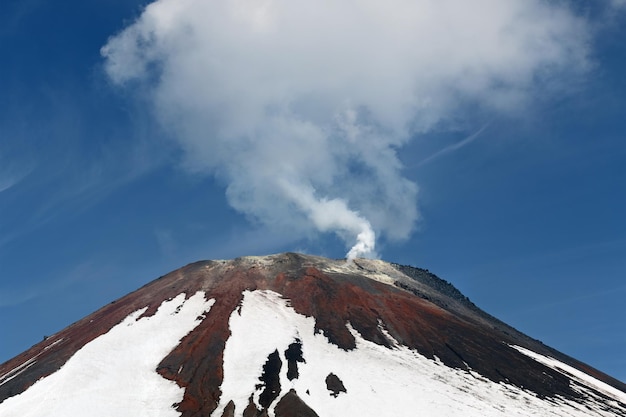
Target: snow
x=18, y=370
x=575, y=374
x=379, y=381
x=27, y=364
x=115, y=374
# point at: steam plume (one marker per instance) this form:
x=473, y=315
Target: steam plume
x=300, y=106
x=335, y=215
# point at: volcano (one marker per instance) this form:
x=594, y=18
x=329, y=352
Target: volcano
x=294, y=335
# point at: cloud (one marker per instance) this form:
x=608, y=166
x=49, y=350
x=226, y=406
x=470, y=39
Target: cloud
x=618, y=4
x=301, y=107
x=166, y=242
x=8, y=181
x=14, y=168
x=15, y=295
x=454, y=147
x=11, y=297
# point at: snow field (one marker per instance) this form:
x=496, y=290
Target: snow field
x=379, y=381
x=115, y=374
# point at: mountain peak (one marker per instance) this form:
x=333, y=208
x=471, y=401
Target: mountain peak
x=292, y=334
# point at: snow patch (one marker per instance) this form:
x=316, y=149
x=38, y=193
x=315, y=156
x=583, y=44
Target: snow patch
x=575, y=374
x=257, y=330
x=53, y=344
x=27, y=364
x=18, y=370
x=115, y=374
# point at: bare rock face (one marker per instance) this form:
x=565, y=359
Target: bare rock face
x=297, y=335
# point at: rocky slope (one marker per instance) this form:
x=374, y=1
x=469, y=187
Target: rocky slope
x=298, y=335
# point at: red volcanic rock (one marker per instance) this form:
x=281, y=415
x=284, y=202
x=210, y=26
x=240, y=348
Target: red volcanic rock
x=297, y=335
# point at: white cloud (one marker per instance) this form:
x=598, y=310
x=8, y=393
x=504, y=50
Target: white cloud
x=618, y=3
x=7, y=182
x=13, y=170
x=321, y=95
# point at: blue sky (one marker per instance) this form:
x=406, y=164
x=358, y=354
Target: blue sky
x=496, y=162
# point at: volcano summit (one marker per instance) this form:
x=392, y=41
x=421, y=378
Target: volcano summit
x=296, y=335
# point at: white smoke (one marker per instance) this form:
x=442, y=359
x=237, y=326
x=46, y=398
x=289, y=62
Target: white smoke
x=334, y=215
x=300, y=106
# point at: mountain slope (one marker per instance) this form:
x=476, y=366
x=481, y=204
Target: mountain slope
x=291, y=334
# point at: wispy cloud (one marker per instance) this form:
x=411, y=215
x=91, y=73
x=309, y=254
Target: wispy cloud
x=7, y=182
x=12, y=296
x=454, y=147
x=58, y=183
x=166, y=242
x=603, y=294
x=13, y=169
x=16, y=13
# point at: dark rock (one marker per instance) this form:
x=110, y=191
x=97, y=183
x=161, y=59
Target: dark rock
x=335, y=385
x=229, y=410
x=270, y=379
x=293, y=354
x=292, y=406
